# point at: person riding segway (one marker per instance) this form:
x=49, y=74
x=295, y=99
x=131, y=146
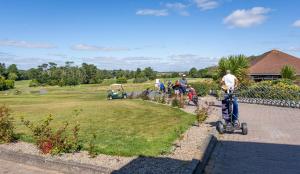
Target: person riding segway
x=230, y=112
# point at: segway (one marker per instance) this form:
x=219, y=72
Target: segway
x=224, y=126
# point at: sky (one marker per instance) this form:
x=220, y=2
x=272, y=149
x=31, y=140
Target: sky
x=168, y=35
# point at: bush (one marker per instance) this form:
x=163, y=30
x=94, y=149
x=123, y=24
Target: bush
x=54, y=142
x=10, y=84
x=175, y=102
x=201, y=114
x=12, y=76
x=275, y=90
x=140, y=80
x=92, y=146
x=121, y=80
x=34, y=83
x=6, y=84
x=288, y=72
x=203, y=88
x=6, y=126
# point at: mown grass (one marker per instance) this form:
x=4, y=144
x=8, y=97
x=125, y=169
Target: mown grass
x=123, y=127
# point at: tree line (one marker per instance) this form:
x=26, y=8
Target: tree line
x=70, y=74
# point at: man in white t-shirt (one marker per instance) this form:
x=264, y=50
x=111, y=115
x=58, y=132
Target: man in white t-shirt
x=230, y=82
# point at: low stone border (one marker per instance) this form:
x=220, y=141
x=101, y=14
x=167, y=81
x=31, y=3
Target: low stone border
x=207, y=148
x=51, y=164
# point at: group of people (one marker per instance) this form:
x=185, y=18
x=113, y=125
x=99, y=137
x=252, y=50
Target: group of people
x=180, y=88
x=229, y=83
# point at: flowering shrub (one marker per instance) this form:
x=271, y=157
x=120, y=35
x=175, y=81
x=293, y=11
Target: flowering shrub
x=54, y=142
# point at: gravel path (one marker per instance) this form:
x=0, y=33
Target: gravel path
x=186, y=150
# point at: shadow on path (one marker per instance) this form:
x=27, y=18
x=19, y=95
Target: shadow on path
x=250, y=157
x=153, y=165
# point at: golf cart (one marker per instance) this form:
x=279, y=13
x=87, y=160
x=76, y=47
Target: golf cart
x=116, y=91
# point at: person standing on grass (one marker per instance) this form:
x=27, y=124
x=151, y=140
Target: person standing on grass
x=183, y=84
x=229, y=83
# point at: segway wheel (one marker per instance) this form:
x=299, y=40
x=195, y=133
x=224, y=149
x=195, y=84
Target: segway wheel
x=244, y=129
x=220, y=127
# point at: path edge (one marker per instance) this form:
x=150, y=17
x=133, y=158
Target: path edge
x=207, y=148
x=51, y=164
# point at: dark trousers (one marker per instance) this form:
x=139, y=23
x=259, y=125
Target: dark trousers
x=225, y=109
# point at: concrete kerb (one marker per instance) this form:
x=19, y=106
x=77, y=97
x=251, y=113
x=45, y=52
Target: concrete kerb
x=207, y=148
x=51, y=164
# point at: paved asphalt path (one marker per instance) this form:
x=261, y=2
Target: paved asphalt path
x=271, y=146
x=8, y=167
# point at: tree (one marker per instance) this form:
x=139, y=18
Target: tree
x=12, y=68
x=238, y=65
x=12, y=76
x=288, y=72
x=149, y=73
x=193, y=73
x=2, y=69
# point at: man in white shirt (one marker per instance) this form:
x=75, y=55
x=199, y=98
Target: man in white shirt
x=229, y=83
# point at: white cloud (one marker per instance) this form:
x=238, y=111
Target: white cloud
x=244, y=18
x=85, y=47
x=181, y=62
x=153, y=12
x=294, y=49
x=25, y=44
x=206, y=4
x=296, y=23
x=176, y=5
x=179, y=8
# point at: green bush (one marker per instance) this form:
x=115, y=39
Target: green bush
x=121, y=80
x=10, y=84
x=6, y=126
x=140, y=80
x=6, y=84
x=34, y=83
x=201, y=114
x=275, y=90
x=288, y=72
x=175, y=102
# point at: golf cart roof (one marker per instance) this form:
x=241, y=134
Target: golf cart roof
x=116, y=86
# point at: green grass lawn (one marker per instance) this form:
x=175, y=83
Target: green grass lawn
x=123, y=127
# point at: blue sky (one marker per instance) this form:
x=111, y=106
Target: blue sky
x=165, y=34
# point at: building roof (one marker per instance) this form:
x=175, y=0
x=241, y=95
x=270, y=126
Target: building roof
x=271, y=63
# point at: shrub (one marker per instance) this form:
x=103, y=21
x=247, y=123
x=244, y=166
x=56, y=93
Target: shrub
x=121, y=80
x=34, y=83
x=140, y=80
x=10, y=84
x=288, y=72
x=92, y=146
x=6, y=126
x=175, y=102
x=54, y=142
x=201, y=114
x=275, y=90
x=6, y=84
x=12, y=76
